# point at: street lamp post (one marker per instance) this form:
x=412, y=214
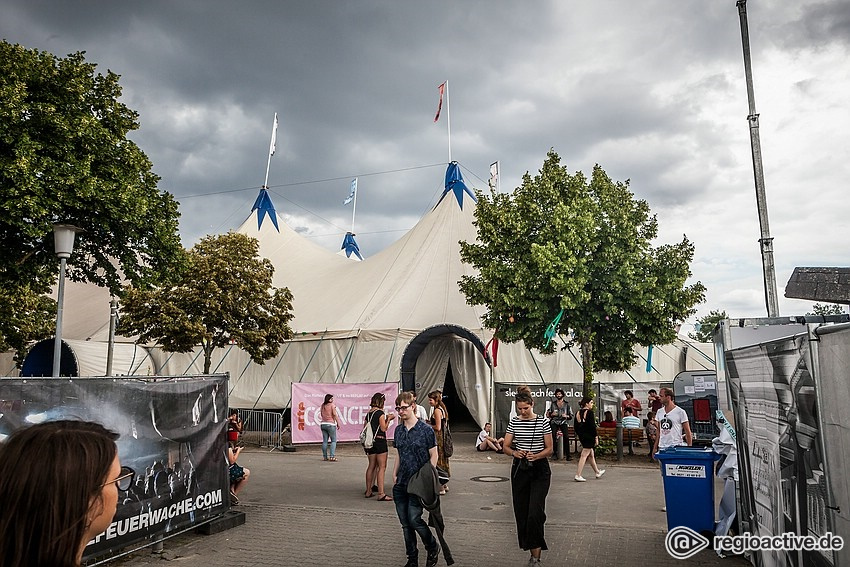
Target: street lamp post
x=63, y=240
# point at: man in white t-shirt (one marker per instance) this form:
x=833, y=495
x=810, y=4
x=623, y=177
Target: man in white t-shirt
x=420, y=411
x=487, y=443
x=672, y=423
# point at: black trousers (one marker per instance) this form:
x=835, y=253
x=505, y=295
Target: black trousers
x=529, y=488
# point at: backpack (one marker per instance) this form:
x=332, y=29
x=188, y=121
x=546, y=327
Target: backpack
x=367, y=436
x=448, y=446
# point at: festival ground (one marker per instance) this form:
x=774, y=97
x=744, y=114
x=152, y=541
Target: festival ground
x=301, y=510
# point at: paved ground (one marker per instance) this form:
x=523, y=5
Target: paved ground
x=303, y=511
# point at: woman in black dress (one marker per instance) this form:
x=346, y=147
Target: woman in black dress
x=585, y=428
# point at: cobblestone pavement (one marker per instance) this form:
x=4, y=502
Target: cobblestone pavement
x=301, y=510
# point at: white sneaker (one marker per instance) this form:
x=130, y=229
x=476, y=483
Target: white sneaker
x=664, y=508
x=600, y=473
x=580, y=478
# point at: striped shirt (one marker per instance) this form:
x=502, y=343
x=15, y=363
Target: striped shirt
x=528, y=433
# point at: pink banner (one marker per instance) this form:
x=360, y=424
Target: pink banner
x=352, y=403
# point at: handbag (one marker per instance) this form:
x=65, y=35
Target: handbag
x=448, y=446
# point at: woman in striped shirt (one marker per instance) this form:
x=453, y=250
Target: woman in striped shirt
x=528, y=440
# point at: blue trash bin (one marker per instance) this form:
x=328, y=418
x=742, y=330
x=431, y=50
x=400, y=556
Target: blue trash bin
x=688, y=474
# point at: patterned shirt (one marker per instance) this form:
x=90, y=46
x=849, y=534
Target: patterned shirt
x=528, y=433
x=414, y=447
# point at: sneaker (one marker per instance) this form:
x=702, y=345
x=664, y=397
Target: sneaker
x=600, y=473
x=431, y=560
x=580, y=479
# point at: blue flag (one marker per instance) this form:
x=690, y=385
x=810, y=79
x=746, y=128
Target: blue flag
x=352, y=192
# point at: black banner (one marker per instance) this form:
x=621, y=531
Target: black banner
x=541, y=393
x=172, y=435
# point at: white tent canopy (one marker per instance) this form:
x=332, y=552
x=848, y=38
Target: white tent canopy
x=354, y=321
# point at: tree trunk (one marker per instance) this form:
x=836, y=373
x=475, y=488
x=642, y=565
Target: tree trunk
x=587, y=366
x=207, y=356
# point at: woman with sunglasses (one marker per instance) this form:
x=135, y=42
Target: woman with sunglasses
x=59, y=484
x=377, y=453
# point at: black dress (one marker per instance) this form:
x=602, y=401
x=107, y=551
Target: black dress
x=585, y=428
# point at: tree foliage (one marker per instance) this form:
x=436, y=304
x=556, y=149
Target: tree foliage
x=65, y=157
x=563, y=241
x=24, y=317
x=704, y=328
x=225, y=296
x=826, y=309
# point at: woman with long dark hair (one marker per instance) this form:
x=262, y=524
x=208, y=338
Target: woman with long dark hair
x=330, y=422
x=439, y=421
x=378, y=452
x=585, y=428
x=528, y=440
x=59, y=484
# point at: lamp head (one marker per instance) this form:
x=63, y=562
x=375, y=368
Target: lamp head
x=63, y=239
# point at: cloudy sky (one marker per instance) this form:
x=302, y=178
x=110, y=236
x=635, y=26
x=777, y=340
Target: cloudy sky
x=653, y=91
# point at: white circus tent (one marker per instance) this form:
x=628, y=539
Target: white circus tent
x=398, y=315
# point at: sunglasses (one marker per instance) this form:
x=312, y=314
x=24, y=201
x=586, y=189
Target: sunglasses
x=124, y=480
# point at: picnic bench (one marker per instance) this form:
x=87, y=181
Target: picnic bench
x=630, y=436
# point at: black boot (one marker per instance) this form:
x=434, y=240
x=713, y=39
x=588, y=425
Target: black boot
x=431, y=561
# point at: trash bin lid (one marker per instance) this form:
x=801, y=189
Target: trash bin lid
x=690, y=453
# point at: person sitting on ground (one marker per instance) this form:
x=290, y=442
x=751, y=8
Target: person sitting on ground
x=487, y=443
x=629, y=420
x=608, y=421
x=238, y=474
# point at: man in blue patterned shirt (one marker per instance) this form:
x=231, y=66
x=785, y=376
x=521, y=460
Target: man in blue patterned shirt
x=416, y=445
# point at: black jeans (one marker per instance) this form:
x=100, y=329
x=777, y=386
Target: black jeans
x=529, y=488
x=409, y=510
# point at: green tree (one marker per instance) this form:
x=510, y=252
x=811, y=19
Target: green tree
x=65, y=157
x=704, y=328
x=24, y=317
x=225, y=296
x=826, y=309
x=563, y=241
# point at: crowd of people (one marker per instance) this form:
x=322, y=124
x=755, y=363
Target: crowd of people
x=32, y=459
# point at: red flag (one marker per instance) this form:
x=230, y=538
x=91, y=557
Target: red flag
x=440, y=106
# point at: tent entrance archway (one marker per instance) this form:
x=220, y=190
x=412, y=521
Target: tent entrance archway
x=450, y=358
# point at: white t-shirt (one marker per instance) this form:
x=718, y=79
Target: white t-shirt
x=481, y=437
x=421, y=413
x=670, y=427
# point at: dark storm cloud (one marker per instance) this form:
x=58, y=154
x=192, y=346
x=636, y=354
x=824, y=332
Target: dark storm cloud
x=652, y=91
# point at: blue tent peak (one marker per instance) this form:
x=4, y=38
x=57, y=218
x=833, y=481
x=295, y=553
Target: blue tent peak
x=350, y=246
x=454, y=183
x=266, y=207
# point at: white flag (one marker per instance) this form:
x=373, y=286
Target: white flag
x=274, y=136
x=351, y=192
x=494, y=175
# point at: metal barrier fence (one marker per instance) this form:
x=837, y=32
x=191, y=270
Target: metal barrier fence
x=262, y=428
